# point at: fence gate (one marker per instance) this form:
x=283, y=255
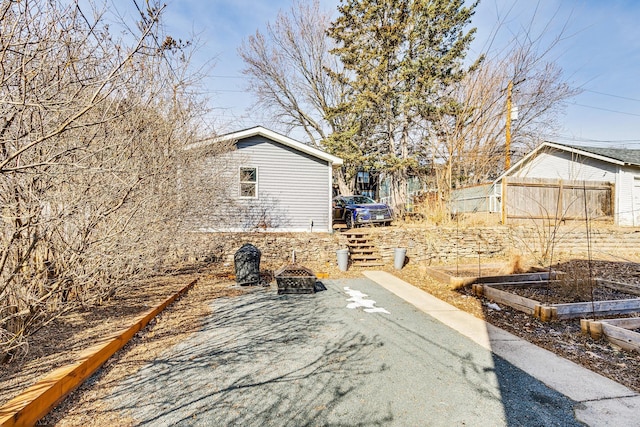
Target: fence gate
x=547, y=199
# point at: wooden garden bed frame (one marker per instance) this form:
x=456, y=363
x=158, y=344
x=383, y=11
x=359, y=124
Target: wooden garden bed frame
x=616, y=331
x=447, y=274
x=488, y=287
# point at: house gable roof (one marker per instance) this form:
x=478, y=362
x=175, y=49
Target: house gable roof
x=274, y=136
x=618, y=156
x=624, y=155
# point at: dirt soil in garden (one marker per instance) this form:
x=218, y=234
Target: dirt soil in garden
x=61, y=341
x=568, y=294
x=576, y=284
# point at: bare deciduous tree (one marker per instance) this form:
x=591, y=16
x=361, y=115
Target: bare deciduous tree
x=287, y=69
x=470, y=141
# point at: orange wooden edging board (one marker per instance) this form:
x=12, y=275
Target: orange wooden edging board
x=36, y=402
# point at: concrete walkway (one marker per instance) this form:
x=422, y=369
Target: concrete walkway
x=603, y=402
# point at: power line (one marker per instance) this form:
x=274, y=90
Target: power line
x=606, y=109
x=214, y=91
x=227, y=77
x=577, y=139
x=609, y=141
x=612, y=95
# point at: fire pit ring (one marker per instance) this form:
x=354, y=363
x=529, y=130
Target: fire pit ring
x=295, y=279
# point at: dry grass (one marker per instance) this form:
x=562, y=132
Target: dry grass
x=85, y=407
x=517, y=264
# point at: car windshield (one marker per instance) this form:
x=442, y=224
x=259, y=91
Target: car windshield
x=359, y=200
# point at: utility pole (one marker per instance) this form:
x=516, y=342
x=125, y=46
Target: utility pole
x=507, y=146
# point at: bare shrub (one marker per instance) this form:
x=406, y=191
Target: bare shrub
x=432, y=209
x=575, y=285
x=91, y=130
x=516, y=265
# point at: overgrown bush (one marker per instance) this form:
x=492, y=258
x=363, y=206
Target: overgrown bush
x=92, y=121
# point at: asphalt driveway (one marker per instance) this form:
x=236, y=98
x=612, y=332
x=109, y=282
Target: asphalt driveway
x=353, y=355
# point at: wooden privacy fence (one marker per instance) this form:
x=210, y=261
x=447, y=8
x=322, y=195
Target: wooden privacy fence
x=548, y=199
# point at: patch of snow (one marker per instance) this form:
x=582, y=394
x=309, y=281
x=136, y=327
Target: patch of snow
x=359, y=299
x=493, y=306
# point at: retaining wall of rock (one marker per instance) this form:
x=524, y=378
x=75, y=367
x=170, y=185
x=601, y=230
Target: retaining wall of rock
x=426, y=244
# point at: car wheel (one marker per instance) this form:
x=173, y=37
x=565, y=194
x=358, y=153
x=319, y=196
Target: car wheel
x=349, y=219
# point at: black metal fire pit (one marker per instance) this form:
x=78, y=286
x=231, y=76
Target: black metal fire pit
x=295, y=279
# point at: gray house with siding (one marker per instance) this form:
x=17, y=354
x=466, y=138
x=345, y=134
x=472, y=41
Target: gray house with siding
x=619, y=168
x=263, y=181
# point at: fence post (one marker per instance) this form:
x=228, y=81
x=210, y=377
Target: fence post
x=560, y=207
x=504, y=200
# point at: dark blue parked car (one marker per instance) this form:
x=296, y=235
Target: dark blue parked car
x=358, y=210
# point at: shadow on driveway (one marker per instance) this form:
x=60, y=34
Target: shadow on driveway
x=267, y=359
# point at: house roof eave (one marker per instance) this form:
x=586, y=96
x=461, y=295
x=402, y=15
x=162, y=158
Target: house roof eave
x=282, y=139
x=555, y=145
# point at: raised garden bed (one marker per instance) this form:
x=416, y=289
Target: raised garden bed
x=534, y=293
x=464, y=274
x=36, y=401
x=624, y=332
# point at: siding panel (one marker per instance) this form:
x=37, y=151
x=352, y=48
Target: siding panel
x=296, y=182
x=567, y=166
x=625, y=208
x=294, y=190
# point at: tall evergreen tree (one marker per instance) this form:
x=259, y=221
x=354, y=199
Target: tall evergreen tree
x=400, y=58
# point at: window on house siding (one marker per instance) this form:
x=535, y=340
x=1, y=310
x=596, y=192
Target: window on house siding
x=248, y=182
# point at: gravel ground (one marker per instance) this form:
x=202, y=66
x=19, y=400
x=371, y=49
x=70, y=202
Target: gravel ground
x=264, y=359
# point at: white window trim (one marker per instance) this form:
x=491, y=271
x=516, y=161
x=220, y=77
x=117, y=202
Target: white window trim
x=247, y=182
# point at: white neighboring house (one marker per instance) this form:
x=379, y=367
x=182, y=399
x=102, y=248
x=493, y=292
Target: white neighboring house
x=620, y=167
x=271, y=182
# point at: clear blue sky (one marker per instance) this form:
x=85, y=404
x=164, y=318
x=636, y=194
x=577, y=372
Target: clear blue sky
x=600, y=54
